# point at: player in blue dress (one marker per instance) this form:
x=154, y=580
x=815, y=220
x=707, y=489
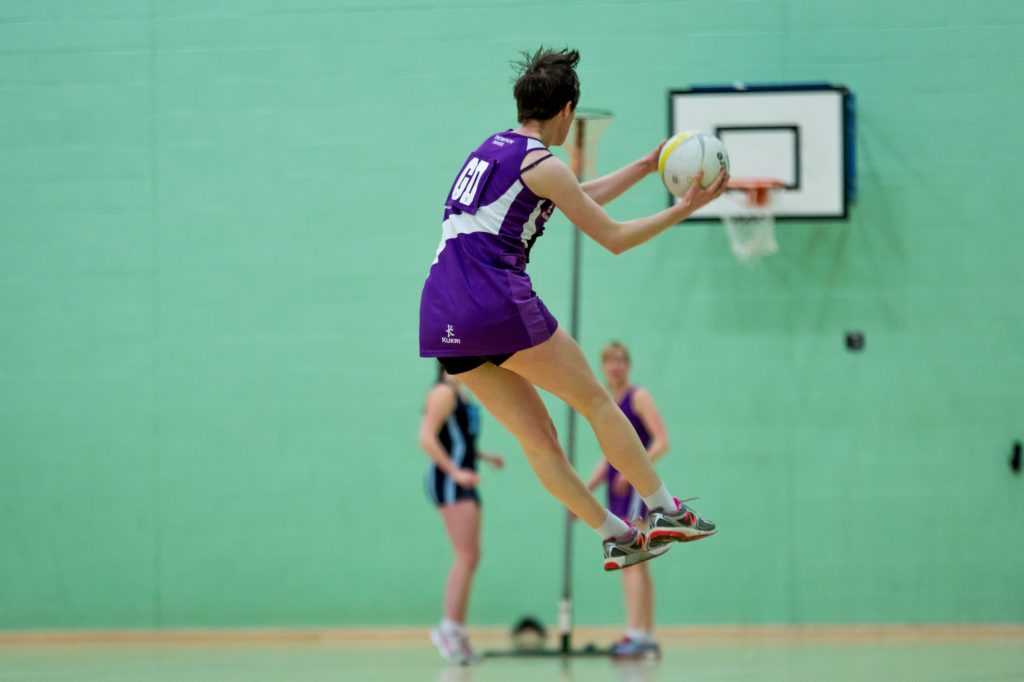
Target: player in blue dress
x=448, y=433
x=481, y=318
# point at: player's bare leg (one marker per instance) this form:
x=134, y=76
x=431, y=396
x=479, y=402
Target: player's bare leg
x=559, y=367
x=515, y=403
x=462, y=523
x=638, y=589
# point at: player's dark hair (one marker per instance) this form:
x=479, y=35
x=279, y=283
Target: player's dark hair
x=547, y=80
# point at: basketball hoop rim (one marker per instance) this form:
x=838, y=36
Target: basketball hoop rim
x=753, y=184
x=758, y=190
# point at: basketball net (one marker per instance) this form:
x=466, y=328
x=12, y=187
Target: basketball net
x=749, y=219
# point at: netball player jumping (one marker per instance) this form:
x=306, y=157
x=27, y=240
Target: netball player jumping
x=481, y=318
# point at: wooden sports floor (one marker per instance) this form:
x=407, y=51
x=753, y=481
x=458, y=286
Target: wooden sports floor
x=989, y=654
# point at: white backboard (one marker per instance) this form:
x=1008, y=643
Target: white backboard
x=801, y=134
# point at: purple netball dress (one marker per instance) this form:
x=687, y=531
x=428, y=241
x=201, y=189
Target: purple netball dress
x=629, y=506
x=478, y=299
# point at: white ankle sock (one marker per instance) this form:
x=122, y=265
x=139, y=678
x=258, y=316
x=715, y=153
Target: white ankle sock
x=638, y=635
x=450, y=627
x=660, y=499
x=613, y=527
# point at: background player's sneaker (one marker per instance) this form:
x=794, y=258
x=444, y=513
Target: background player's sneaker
x=634, y=550
x=684, y=525
x=453, y=647
x=629, y=648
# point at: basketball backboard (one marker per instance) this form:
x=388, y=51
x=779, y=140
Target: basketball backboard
x=801, y=134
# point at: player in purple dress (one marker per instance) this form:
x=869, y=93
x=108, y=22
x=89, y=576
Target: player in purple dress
x=481, y=318
x=624, y=501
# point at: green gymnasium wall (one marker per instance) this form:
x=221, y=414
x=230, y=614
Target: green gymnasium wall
x=215, y=218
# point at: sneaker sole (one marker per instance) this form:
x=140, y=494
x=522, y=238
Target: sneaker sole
x=640, y=656
x=628, y=657
x=449, y=656
x=662, y=537
x=619, y=563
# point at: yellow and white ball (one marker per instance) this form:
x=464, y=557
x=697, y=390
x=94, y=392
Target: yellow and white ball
x=686, y=153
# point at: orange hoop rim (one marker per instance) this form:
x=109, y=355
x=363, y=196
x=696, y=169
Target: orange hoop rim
x=759, y=190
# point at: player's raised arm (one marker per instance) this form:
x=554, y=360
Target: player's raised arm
x=553, y=180
x=607, y=188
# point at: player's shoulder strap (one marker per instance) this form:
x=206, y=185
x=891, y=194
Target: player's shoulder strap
x=627, y=398
x=535, y=162
x=533, y=145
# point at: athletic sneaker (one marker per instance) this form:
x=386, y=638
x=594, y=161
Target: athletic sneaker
x=684, y=525
x=453, y=647
x=652, y=650
x=634, y=550
x=629, y=648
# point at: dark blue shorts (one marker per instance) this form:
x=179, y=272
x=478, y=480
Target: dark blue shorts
x=443, y=491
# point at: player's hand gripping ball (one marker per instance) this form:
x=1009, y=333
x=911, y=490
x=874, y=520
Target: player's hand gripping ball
x=685, y=154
